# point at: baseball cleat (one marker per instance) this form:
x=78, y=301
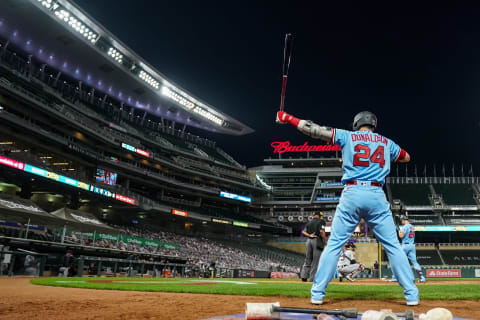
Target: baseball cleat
x=422, y=280
x=350, y=278
x=316, y=302
x=304, y=279
x=393, y=280
x=413, y=303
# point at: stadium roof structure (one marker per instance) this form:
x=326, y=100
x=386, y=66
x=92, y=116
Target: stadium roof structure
x=62, y=35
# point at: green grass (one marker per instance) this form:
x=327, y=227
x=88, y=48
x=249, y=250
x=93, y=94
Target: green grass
x=429, y=291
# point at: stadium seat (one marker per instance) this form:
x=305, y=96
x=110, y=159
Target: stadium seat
x=411, y=194
x=456, y=194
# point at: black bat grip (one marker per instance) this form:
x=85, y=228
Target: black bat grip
x=349, y=312
x=287, y=53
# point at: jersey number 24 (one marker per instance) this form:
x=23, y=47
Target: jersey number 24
x=362, y=156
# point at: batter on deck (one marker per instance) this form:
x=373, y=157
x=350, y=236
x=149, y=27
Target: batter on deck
x=366, y=162
x=407, y=235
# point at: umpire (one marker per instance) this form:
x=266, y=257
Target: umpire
x=315, y=232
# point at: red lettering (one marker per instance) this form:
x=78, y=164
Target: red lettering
x=284, y=146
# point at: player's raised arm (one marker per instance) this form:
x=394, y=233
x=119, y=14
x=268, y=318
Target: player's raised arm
x=404, y=156
x=306, y=126
x=398, y=154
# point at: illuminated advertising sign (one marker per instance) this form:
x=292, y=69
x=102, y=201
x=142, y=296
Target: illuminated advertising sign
x=128, y=200
x=128, y=147
x=63, y=179
x=285, y=146
x=240, y=224
x=328, y=229
x=67, y=180
x=35, y=170
x=12, y=163
x=234, y=196
x=136, y=150
x=221, y=221
x=143, y=153
x=179, y=213
x=331, y=184
x=447, y=228
x=321, y=199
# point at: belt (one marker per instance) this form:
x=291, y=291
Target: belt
x=364, y=183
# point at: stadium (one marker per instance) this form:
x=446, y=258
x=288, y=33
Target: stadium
x=115, y=201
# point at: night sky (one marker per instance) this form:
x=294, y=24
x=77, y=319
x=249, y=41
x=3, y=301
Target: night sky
x=417, y=68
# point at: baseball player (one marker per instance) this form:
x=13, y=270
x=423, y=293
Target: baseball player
x=407, y=236
x=366, y=161
x=347, y=266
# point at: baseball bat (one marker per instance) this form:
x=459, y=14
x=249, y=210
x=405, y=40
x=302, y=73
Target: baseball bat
x=287, y=55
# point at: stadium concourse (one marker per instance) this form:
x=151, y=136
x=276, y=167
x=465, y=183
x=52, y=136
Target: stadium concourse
x=105, y=171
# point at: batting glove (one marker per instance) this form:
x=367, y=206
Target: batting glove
x=283, y=118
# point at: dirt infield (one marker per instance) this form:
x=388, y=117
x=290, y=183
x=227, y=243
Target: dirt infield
x=21, y=300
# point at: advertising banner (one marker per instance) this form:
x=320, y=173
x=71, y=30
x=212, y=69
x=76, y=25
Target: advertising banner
x=240, y=224
x=127, y=239
x=283, y=275
x=12, y=163
x=63, y=179
x=447, y=228
x=180, y=213
x=234, y=196
x=334, y=198
x=331, y=185
x=444, y=273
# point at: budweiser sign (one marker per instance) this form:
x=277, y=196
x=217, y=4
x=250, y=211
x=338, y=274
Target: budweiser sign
x=444, y=273
x=285, y=146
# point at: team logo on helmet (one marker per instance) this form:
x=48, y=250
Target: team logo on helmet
x=364, y=118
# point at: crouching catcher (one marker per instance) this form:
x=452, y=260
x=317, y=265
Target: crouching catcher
x=347, y=266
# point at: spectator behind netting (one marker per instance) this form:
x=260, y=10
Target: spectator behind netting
x=198, y=248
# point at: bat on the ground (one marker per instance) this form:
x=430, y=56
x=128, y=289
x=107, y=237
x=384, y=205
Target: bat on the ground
x=287, y=55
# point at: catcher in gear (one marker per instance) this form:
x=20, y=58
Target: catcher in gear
x=347, y=266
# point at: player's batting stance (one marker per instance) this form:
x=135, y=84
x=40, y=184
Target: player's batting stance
x=407, y=235
x=366, y=161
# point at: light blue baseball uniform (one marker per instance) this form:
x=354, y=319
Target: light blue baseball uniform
x=408, y=246
x=366, y=158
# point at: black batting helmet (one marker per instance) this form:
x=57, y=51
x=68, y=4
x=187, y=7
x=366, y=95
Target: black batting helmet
x=350, y=245
x=403, y=217
x=364, y=118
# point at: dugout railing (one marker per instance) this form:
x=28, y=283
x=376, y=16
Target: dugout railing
x=112, y=267
x=100, y=266
x=21, y=263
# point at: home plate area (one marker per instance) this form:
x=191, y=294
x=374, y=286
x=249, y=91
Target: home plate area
x=299, y=316
x=271, y=311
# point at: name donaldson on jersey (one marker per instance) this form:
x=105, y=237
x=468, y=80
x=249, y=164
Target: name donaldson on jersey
x=368, y=137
